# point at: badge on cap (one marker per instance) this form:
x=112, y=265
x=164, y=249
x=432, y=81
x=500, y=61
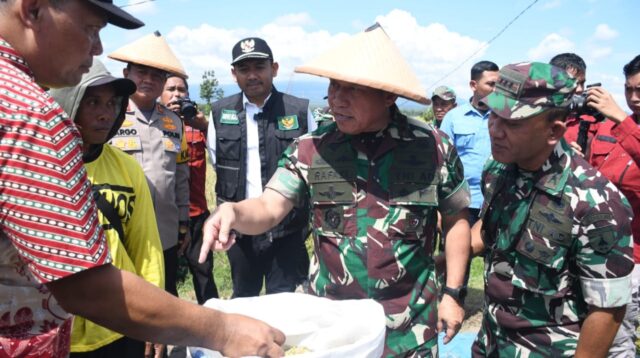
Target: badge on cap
x=511, y=83
x=288, y=123
x=248, y=45
x=229, y=116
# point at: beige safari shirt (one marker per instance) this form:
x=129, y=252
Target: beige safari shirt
x=158, y=144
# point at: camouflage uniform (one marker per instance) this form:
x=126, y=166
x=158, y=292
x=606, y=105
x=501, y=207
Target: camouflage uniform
x=557, y=240
x=374, y=199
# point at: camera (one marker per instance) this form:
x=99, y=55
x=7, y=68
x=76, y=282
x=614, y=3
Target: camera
x=578, y=105
x=188, y=108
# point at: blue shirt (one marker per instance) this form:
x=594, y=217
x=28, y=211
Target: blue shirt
x=469, y=132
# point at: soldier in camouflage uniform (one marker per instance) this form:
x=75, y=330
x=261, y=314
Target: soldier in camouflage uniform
x=375, y=180
x=556, y=232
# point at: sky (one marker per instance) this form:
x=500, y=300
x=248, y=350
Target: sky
x=441, y=40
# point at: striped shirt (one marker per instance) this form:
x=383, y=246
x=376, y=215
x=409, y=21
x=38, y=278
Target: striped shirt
x=48, y=221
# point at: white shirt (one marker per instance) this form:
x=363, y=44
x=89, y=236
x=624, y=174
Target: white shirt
x=254, y=176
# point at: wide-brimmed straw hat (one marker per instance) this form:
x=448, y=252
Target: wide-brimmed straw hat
x=153, y=51
x=369, y=59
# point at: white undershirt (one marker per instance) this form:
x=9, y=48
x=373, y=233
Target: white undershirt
x=254, y=177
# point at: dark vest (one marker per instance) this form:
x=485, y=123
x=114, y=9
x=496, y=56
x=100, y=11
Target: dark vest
x=283, y=119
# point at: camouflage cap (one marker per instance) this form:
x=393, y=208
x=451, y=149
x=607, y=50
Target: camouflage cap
x=444, y=92
x=526, y=89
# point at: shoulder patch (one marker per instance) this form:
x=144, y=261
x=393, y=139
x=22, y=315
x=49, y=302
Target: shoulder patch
x=602, y=239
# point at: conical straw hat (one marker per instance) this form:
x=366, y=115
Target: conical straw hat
x=369, y=59
x=153, y=51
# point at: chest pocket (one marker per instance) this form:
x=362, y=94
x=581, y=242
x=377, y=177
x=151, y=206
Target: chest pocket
x=171, y=144
x=611, y=159
x=603, y=145
x=542, y=253
x=127, y=143
x=333, y=200
x=412, y=208
x=464, y=136
x=228, y=142
x=413, y=193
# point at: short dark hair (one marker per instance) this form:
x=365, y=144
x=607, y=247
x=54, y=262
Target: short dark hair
x=557, y=113
x=480, y=67
x=632, y=67
x=186, y=84
x=569, y=60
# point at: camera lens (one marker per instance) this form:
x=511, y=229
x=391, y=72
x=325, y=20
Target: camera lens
x=188, y=109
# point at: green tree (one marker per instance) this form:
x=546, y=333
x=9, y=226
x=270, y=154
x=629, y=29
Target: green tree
x=210, y=88
x=428, y=115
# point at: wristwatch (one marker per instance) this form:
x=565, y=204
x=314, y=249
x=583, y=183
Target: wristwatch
x=458, y=294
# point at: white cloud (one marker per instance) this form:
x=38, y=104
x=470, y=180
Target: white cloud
x=432, y=49
x=299, y=19
x=550, y=46
x=604, y=32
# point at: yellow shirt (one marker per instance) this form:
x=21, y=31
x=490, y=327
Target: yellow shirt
x=121, y=180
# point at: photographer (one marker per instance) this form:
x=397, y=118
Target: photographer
x=615, y=152
x=579, y=124
x=175, y=96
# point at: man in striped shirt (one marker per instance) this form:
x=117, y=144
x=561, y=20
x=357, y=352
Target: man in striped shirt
x=53, y=254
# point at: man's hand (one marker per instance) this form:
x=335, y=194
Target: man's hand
x=216, y=232
x=154, y=350
x=450, y=317
x=174, y=107
x=603, y=101
x=246, y=336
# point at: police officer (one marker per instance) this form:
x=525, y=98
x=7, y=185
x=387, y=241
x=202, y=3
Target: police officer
x=557, y=234
x=374, y=180
x=153, y=134
x=250, y=131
